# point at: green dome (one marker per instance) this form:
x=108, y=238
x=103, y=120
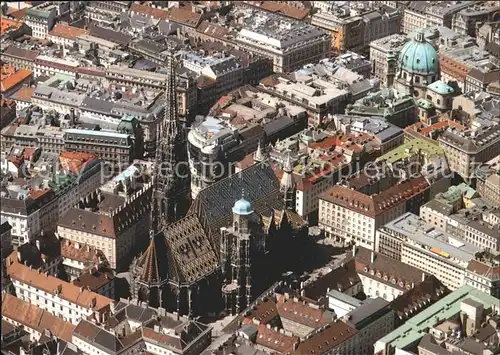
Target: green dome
x=419, y=56
x=441, y=88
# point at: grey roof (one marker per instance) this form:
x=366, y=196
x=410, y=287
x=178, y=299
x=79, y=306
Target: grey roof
x=18, y=52
x=132, y=312
x=440, y=207
x=4, y=225
x=414, y=228
x=368, y=312
x=109, y=34
x=97, y=105
x=277, y=125
x=98, y=337
x=378, y=126
x=344, y=298
x=167, y=27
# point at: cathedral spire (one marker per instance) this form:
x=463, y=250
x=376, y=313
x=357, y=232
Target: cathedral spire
x=261, y=154
x=287, y=185
x=171, y=178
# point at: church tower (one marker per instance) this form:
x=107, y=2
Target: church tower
x=171, y=178
x=287, y=184
x=169, y=201
x=242, y=246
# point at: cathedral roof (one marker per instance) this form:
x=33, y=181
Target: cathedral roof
x=152, y=265
x=190, y=254
x=214, y=204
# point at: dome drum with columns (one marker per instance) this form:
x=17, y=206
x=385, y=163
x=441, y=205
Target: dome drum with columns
x=418, y=67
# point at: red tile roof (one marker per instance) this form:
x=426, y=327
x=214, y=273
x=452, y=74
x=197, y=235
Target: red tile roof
x=8, y=24
x=274, y=340
x=23, y=94
x=329, y=338
x=35, y=318
x=285, y=9
x=18, y=14
x=50, y=284
x=10, y=77
x=68, y=32
x=302, y=313
x=212, y=30
x=149, y=11
x=185, y=17
x=74, y=161
x=374, y=205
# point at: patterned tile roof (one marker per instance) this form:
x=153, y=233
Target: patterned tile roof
x=190, y=254
x=214, y=204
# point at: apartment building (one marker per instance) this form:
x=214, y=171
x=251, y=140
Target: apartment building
x=292, y=311
x=353, y=217
x=330, y=99
x=41, y=19
x=411, y=240
x=488, y=186
x=380, y=50
x=471, y=67
x=467, y=311
x=78, y=259
x=134, y=328
x=470, y=223
x=348, y=32
x=466, y=150
x=373, y=319
x=116, y=148
x=60, y=182
x=465, y=20
x=384, y=277
x=36, y=321
x=289, y=43
x=65, y=35
x=414, y=17
x=387, y=135
x=28, y=212
x=21, y=58
x=62, y=299
x=113, y=219
x=391, y=105
x=48, y=66
x=483, y=273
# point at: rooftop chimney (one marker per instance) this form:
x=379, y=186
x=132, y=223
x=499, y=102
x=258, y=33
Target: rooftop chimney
x=354, y=250
x=423, y=276
x=372, y=259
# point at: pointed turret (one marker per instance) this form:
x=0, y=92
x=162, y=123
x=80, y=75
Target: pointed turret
x=287, y=185
x=261, y=154
x=150, y=272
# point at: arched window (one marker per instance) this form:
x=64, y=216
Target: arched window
x=417, y=79
x=438, y=101
x=236, y=227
